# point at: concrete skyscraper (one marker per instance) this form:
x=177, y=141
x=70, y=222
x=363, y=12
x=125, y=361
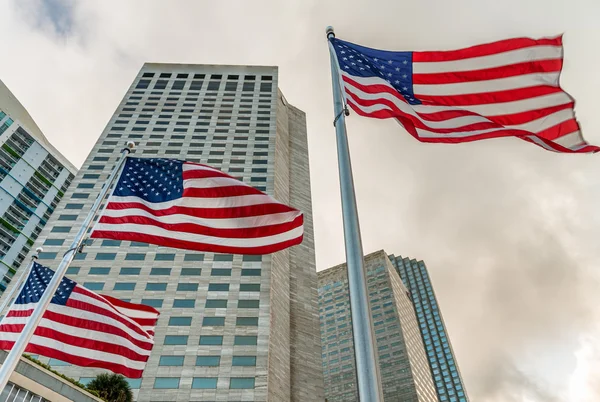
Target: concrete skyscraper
x=33, y=178
x=448, y=381
x=405, y=373
x=232, y=327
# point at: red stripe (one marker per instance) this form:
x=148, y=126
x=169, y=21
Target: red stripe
x=212, y=213
x=220, y=192
x=77, y=360
x=238, y=233
x=485, y=50
x=204, y=174
x=527, y=67
x=141, y=321
x=560, y=130
x=174, y=243
x=487, y=98
x=131, y=306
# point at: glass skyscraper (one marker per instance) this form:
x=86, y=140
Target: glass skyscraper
x=232, y=327
x=448, y=381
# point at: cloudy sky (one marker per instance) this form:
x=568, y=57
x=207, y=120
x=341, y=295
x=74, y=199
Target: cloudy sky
x=509, y=231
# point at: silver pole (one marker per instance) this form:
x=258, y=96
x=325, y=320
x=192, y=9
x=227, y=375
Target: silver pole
x=19, y=347
x=367, y=366
x=17, y=285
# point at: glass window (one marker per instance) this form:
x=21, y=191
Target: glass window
x=134, y=383
x=252, y=257
x=73, y=270
x=250, y=287
x=244, y=361
x=241, y=383
x=84, y=380
x=204, y=383
x=193, y=257
x=176, y=340
x=61, y=229
x=67, y=217
x=184, y=303
x=54, y=242
x=211, y=340
x=187, y=287
x=209, y=361
x=248, y=303
x=94, y=285
x=156, y=286
x=216, y=303
x=135, y=256
x=124, y=286
x=164, y=257
x=47, y=256
x=213, y=321
x=130, y=271
x=111, y=243
x=247, y=321
x=220, y=272
x=191, y=271
x=153, y=302
x=216, y=287
x=223, y=257
x=99, y=271
x=180, y=321
x=160, y=271
x=138, y=244
x=250, y=272
x=244, y=340
x=171, y=361
x=106, y=256
x=56, y=362
x=166, y=382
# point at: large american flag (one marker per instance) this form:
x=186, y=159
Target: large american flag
x=187, y=205
x=81, y=327
x=501, y=89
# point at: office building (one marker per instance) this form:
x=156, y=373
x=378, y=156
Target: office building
x=34, y=176
x=232, y=327
x=448, y=381
x=404, y=369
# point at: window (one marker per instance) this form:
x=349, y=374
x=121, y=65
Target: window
x=213, y=321
x=143, y=84
x=80, y=195
x=99, y=271
x=244, y=340
x=153, y=302
x=191, y=271
x=247, y=321
x=111, y=243
x=204, y=383
x=135, y=257
x=171, y=361
x=124, y=286
x=223, y=257
x=54, y=242
x=250, y=272
x=180, y=321
x=61, y=229
x=134, y=383
x=253, y=258
x=248, y=303
x=47, y=256
x=216, y=303
x=56, y=362
x=211, y=340
x=193, y=257
x=250, y=287
x=106, y=256
x=72, y=205
x=241, y=383
x=184, y=303
x=208, y=361
x=216, y=287
x=138, y=244
x=244, y=361
x=176, y=340
x=94, y=285
x=166, y=382
x=220, y=272
x=130, y=271
x=187, y=287
x=164, y=257
x=160, y=271
x=86, y=380
x=92, y=176
x=156, y=286
x=73, y=270
x=67, y=217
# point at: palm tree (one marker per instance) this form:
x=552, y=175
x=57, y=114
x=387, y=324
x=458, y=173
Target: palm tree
x=112, y=387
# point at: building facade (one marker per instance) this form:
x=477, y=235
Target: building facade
x=34, y=177
x=404, y=369
x=232, y=327
x=448, y=381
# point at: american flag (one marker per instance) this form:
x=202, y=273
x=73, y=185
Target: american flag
x=501, y=89
x=81, y=327
x=180, y=204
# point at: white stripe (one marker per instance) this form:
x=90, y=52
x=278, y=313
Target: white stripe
x=198, y=238
x=212, y=182
x=534, y=53
x=459, y=134
x=78, y=351
x=236, y=223
x=133, y=313
x=492, y=109
x=572, y=141
x=543, y=123
x=500, y=84
x=193, y=202
x=541, y=143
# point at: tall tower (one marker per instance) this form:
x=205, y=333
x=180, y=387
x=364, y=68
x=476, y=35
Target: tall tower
x=448, y=381
x=33, y=178
x=405, y=373
x=232, y=327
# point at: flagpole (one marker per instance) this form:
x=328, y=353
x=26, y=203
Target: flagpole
x=10, y=363
x=367, y=367
x=17, y=283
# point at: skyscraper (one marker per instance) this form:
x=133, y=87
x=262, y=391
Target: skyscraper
x=232, y=327
x=33, y=178
x=404, y=369
x=448, y=381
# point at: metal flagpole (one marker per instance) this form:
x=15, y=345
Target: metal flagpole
x=19, y=347
x=17, y=284
x=367, y=367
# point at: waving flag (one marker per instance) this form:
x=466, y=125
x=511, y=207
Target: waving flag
x=81, y=327
x=187, y=205
x=501, y=89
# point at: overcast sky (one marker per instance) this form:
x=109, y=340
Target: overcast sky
x=508, y=231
